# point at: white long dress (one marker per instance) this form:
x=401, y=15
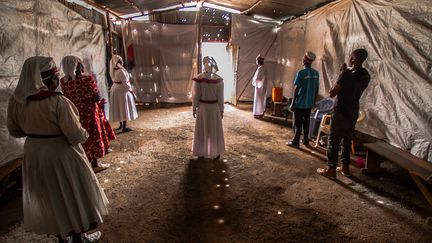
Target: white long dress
x=209, y=100
x=122, y=103
x=259, y=81
x=60, y=191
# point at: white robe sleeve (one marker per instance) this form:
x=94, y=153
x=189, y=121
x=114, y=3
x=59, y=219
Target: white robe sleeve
x=69, y=122
x=123, y=76
x=196, y=95
x=220, y=95
x=12, y=125
x=259, y=77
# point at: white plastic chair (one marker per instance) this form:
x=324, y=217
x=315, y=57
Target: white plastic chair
x=323, y=107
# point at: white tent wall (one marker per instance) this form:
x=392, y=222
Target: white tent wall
x=254, y=38
x=398, y=36
x=46, y=28
x=165, y=60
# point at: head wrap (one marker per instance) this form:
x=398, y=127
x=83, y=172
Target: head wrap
x=30, y=81
x=69, y=65
x=210, y=61
x=260, y=58
x=113, y=63
x=309, y=57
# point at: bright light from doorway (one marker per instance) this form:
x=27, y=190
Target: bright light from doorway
x=229, y=10
x=224, y=60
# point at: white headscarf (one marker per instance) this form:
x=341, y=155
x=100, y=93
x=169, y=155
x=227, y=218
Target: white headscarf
x=113, y=63
x=30, y=81
x=209, y=61
x=69, y=64
x=210, y=69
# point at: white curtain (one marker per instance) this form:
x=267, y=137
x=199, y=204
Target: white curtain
x=165, y=58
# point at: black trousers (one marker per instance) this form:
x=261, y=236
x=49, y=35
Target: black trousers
x=341, y=130
x=301, y=121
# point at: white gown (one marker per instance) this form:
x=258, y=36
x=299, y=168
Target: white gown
x=208, y=136
x=122, y=103
x=60, y=191
x=259, y=81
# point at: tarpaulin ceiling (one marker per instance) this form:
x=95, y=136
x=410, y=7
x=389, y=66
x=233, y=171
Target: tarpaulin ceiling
x=276, y=9
x=47, y=28
x=165, y=60
x=398, y=36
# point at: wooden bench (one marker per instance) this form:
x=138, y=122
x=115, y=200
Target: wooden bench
x=6, y=173
x=419, y=170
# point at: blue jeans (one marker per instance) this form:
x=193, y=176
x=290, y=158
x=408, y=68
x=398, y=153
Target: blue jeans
x=341, y=129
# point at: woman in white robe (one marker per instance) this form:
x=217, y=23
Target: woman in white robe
x=61, y=194
x=208, y=108
x=122, y=102
x=259, y=81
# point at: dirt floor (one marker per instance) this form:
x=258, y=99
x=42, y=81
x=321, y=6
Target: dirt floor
x=260, y=191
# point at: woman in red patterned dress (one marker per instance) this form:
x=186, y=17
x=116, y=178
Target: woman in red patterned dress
x=83, y=92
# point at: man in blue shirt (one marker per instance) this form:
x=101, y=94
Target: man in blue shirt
x=305, y=93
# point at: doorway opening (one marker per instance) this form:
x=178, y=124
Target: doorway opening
x=223, y=55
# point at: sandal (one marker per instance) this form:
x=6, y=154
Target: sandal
x=92, y=237
x=327, y=172
x=100, y=167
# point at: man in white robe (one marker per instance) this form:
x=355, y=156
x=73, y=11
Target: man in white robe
x=208, y=108
x=259, y=81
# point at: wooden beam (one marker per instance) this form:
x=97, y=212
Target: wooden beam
x=101, y=7
x=252, y=7
x=199, y=62
x=423, y=188
x=109, y=35
x=131, y=3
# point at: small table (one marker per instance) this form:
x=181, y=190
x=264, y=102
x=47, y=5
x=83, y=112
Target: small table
x=277, y=108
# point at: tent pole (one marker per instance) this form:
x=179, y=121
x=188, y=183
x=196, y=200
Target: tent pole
x=252, y=7
x=110, y=46
x=199, y=41
x=96, y=5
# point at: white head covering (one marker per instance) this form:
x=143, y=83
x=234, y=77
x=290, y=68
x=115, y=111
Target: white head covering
x=69, y=64
x=113, y=63
x=210, y=69
x=309, y=57
x=209, y=61
x=30, y=81
x=260, y=58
